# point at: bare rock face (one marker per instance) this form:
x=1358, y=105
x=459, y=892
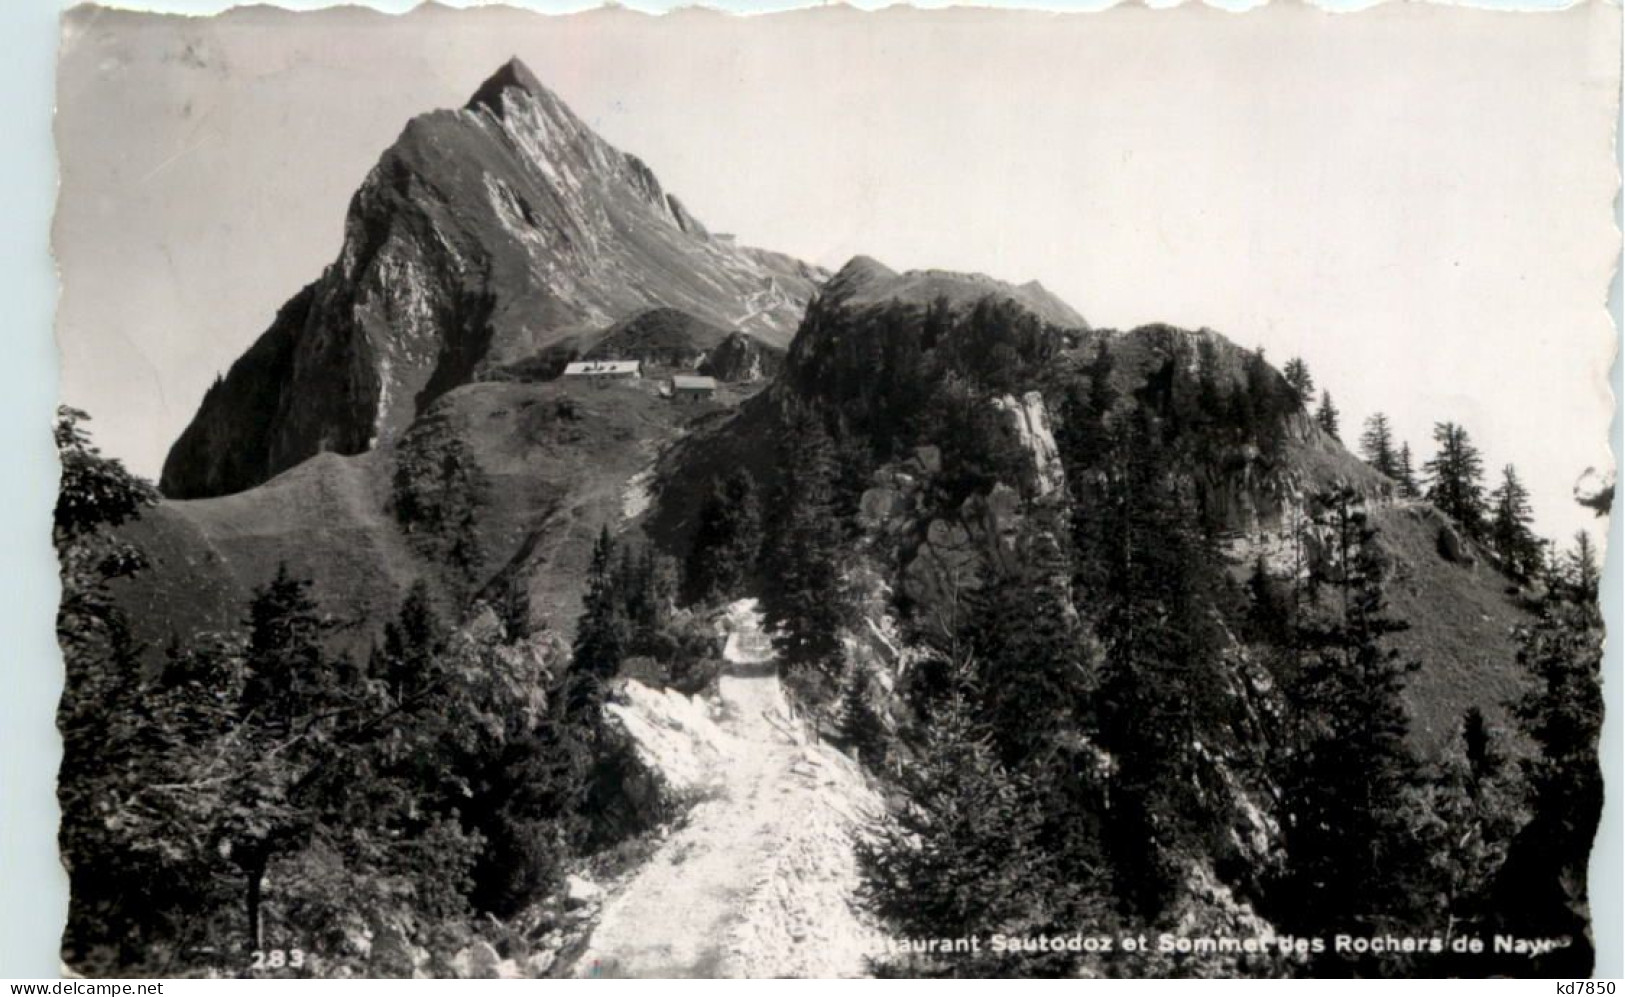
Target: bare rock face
x=1029, y=422
x=1452, y=547
x=957, y=554
x=479, y=961
x=481, y=237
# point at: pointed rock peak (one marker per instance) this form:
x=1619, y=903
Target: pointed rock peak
x=513, y=73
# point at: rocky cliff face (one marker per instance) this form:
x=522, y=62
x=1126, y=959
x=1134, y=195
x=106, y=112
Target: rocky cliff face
x=482, y=236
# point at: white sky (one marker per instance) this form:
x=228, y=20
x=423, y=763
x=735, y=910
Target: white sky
x=1416, y=199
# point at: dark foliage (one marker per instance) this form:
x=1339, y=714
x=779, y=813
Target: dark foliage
x=1456, y=479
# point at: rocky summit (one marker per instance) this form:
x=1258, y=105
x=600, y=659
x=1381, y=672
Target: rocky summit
x=482, y=236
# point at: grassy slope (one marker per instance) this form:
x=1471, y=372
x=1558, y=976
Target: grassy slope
x=551, y=482
x=1461, y=619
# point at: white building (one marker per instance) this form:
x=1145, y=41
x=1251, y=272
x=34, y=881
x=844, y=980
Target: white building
x=605, y=370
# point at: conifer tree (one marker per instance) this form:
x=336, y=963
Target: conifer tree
x=1352, y=860
x=1542, y=889
x=1297, y=376
x=1160, y=699
x=802, y=604
x=1579, y=573
x=288, y=671
x=963, y=858
x=1377, y=446
x=411, y=641
x=1470, y=811
x=604, y=633
x=1025, y=639
x=859, y=724
x=728, y=539
x=1210, y=395
x=1405, y=474
x=1509, y=533
x=1326, y=417
x=1265, y=405
x=1456, y=478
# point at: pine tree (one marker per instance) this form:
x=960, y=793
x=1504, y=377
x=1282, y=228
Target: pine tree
x=1326, y=417
x=1509, y=533
x=604, y=633
x=1297, y=376
x=1542, y=888
x=1377, y=446
x=859, y=723
x=728, y=539
x=1160, y=703
x=287, y=667
x=1265, y=406
x=963, y=858
x=1579, y=572
x=1352, y=859
x=1455, y=478
x=1471, y=811
x=1084, y=443
x=1405, y=474
x=411, y=641
x=802, y=605
x=1027, y=644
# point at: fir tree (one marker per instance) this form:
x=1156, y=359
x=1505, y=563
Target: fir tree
x=1326, y=417
x=1297, y=376
x=1405, y=474
x=1509, y=533
x=1265, y=406
x=604, y=633
x=1455, y=478
x=1026, y=641
x=1084, y=444
x=963, y=858
x=1352, y=861
x=728, y=539
x=411, y=641
x=859, y=723
x=1160, y=704
x=1579, y=573
x=1542, y=888
x=1471, y=811
x=801, y=601
x=287, y=667
x=1377, y=446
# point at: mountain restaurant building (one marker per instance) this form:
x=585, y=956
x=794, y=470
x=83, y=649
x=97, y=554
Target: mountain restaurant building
x=693, y=388
x=605, y=370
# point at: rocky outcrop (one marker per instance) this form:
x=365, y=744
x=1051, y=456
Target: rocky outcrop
x=1029, y=423
x=482, y=236
x=742, y=358
x=1453, y=547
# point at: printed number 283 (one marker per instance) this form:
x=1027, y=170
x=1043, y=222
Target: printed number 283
x=279, y=959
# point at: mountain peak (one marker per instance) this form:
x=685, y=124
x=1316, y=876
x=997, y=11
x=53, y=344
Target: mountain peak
x=513, y=73
x=860, y=272
x=865, y=281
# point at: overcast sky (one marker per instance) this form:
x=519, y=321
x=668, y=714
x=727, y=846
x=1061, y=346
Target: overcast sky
x=1418, y=200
